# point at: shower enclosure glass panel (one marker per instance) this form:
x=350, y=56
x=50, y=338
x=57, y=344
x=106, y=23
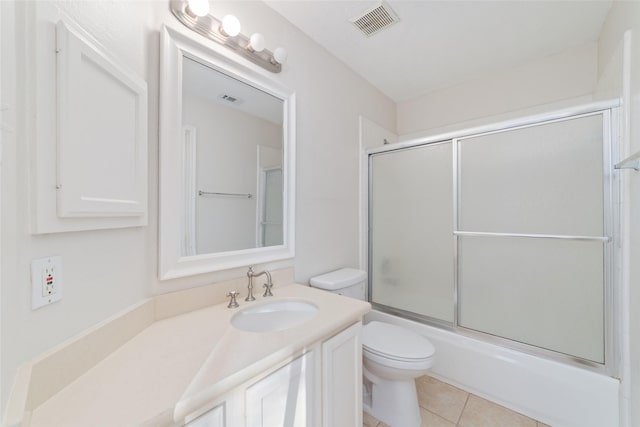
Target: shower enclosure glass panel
x=411, y=223
x=546, y=182
x=542, y=179
x=547, y=293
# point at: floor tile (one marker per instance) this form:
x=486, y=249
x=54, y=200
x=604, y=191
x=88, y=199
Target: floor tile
x=429, y=419
x=440, y=398
x=369, y=420
x=479, y=412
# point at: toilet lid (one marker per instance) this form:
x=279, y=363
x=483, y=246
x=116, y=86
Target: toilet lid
x=395, y=342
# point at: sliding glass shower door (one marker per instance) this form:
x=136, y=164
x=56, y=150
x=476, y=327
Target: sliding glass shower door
x=505, y=233
x=411, y=243
x=531, y=227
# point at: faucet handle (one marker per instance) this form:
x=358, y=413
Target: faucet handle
x=267, y=289
x=233, y=303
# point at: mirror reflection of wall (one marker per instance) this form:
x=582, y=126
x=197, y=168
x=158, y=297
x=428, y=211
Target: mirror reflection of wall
x=233, y=140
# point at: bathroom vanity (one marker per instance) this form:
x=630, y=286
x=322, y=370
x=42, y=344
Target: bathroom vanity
x=188, y=365
x=319, y=387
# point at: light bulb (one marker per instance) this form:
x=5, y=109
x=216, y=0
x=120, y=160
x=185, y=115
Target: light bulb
x=199, y=7
x=230, y=26
x=256, y=42
x=280, y=55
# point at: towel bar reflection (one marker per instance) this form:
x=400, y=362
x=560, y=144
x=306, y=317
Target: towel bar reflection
x=631, y=162
x=208, y=193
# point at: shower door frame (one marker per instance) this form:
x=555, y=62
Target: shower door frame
x=609, y=110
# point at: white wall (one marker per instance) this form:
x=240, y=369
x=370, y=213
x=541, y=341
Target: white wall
x=7, y=97
x=103, y=271
x=625, y=15
x=106, y=271
x=226, y=161
x=499, y=96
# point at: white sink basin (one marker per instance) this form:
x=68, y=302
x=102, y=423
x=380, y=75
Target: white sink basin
x=274, y=316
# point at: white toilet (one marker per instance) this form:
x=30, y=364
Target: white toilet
x=393, y=356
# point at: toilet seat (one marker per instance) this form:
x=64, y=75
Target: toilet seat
x=396, y=347
x=399, y=365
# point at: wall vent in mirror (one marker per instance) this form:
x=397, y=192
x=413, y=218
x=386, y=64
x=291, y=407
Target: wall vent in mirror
x=229, y=98
x=194, y=14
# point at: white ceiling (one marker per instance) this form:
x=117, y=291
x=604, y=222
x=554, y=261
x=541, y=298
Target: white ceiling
x=439, y=44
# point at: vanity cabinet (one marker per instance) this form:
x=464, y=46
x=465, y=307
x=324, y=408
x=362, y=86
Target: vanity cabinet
x=323, y=386
x=213, y=374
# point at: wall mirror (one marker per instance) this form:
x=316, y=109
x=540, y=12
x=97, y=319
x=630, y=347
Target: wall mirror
x=226, y=161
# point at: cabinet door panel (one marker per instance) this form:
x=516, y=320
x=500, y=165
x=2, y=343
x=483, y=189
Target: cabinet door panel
x=102, y=141
x=213, y=418
x=284, y=398
x=342, y=378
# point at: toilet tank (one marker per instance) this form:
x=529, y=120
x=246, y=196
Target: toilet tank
x=349, y=282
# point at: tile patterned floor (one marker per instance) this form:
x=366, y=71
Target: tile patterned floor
x=443, y=405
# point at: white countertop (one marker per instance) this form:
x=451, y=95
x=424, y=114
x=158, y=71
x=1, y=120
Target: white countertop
x=176, y=365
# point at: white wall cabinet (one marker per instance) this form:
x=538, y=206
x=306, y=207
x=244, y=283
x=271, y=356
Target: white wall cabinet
x=321, y=387
x=102, y=115
x=87, y=129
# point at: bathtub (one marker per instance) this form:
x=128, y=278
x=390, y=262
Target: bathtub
x=551, y=392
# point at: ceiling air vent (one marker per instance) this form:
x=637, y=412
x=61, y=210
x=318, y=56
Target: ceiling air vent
x=229, y=98
x=375, y=19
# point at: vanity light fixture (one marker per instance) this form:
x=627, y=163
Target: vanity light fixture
x=280, y=55
x=198, y=7
x=194, y=14
x=256, y=42
x=230, y=26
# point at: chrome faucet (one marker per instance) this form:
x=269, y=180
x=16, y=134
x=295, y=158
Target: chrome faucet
x=268, y=285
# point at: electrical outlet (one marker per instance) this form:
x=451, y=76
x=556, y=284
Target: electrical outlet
x=46, y=281
x=49, y=278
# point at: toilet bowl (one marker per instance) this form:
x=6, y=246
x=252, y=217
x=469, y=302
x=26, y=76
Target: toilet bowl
x=393, y=357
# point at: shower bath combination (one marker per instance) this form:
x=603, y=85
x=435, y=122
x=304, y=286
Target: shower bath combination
x=514, y=221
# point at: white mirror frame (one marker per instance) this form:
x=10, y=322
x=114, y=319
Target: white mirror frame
x=174, y=46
